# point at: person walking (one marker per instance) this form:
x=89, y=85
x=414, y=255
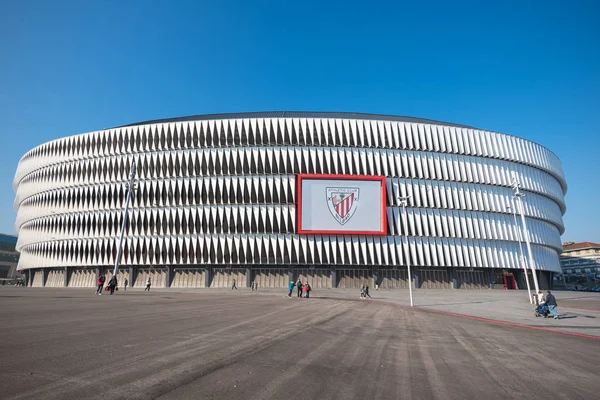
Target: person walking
x=367, y=291
x=112, y=284
x=148, y=284
x=101, y=280
x=234, y=286
x=308, y=290
x=299, y=285
x=125, y=284
x=291, y=288
x=551, y=303
x=362, y=291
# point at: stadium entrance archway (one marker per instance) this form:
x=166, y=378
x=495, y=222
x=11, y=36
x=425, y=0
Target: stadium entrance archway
x=509, y=282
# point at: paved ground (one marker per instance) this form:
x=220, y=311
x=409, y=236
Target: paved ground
x=213, y=344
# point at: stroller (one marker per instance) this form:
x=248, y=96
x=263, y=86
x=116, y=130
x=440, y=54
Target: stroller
x=542, y=311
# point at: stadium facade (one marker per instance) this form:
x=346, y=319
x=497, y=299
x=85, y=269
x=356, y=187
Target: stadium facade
x=217, y=199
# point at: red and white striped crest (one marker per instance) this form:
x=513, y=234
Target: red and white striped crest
x=342, y=203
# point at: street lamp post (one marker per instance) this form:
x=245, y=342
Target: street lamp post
x=130, y=185
x=404, y=202
x=519, y=201
x=520, y=239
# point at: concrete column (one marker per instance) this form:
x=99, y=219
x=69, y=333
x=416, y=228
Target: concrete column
x=375, y=276
x=29, y=278
x=334, y=278
x=453, y=277
x=97, y=276
x=492, y=277
x=168, y=276
x=207, y=276
x=66, y=277
x=44, y=276
x=248, y=277
x=131, y=271
x=416, y=277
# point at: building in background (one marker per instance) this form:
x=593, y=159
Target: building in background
x=218, y=199
x=580, y=262
x=9, y=257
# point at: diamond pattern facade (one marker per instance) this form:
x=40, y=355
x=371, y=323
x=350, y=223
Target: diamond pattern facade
x=222, y=193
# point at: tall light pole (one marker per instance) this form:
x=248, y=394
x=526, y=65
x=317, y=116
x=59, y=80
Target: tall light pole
x=404, y=202
x=519, y=201
x=130, y=186
x=520, y=239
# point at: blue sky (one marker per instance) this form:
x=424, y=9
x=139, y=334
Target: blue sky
x=528, y=68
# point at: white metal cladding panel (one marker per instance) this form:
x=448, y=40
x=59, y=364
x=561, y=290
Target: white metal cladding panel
x=273, y=250
x=234, y=179
x=85, y=206
x=206, y=134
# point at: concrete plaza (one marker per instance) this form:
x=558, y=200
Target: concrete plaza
x=215, y=343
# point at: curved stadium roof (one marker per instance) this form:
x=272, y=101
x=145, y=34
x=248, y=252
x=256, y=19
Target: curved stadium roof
x=297, y=114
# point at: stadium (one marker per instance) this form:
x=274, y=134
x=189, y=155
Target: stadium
x=270, y=197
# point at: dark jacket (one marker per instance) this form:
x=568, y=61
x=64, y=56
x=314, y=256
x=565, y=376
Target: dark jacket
x=113, y=281
x=550, y=300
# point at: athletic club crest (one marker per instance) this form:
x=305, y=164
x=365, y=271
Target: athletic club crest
x=342, y=203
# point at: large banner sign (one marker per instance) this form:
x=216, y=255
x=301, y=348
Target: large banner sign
x=341, y=204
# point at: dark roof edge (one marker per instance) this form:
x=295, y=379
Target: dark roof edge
x=297, y=114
